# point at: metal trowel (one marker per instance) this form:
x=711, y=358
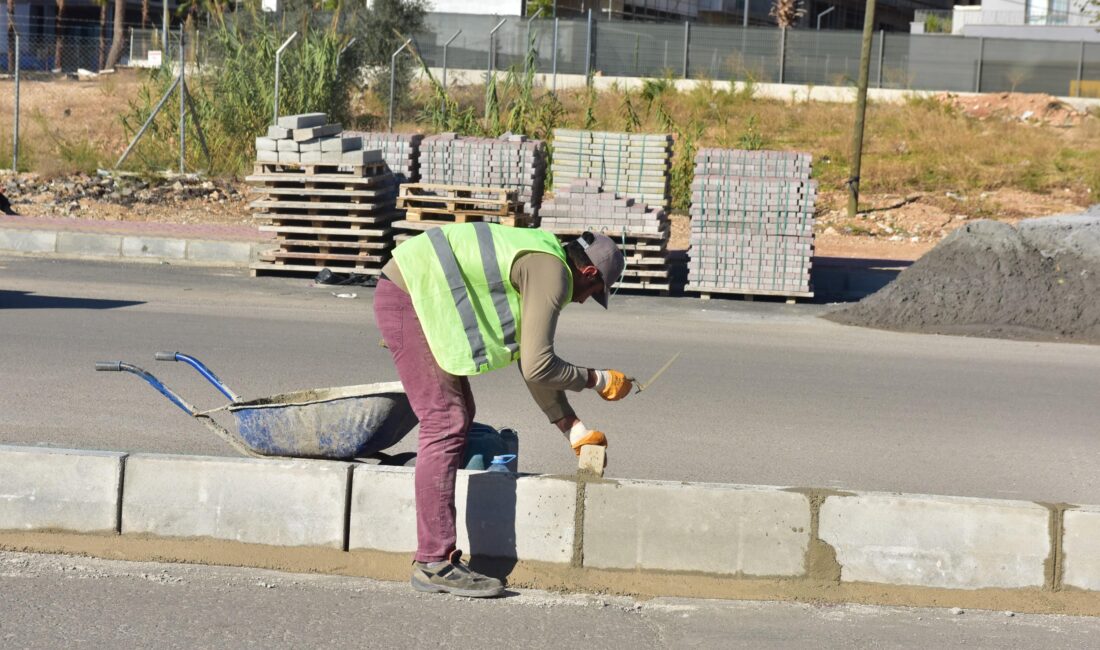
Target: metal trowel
x=640, y=386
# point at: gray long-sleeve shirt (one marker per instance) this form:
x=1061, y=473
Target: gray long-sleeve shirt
x=543, y=284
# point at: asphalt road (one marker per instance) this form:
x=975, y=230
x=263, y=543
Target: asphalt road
x=69, y=602
x=764, y=393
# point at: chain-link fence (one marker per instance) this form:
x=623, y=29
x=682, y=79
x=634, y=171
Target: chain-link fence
x=766, y=54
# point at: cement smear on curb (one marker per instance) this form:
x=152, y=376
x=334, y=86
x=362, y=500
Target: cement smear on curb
x=1036, y=281
x=536, y=575
x=821, y=562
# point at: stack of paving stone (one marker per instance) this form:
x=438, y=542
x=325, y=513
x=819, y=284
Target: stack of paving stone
x=510, y=162
x=329, y=200
x=752, y=218
x=401, y=151
x=633, y=164
x=641, y=231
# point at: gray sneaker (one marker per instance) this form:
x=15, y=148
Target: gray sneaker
x=454, y=578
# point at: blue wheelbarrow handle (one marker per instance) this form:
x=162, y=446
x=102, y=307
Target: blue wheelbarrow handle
x=119, y=366
x=202, y=370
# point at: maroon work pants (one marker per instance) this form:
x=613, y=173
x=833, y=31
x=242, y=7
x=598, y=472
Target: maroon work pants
x=445, y=406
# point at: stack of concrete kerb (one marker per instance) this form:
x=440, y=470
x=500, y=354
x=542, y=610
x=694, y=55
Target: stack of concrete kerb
x=329, y=201
x=633, y=164
x=641, y=231
x=401, y=151
x=511, y=162
x=752, y=218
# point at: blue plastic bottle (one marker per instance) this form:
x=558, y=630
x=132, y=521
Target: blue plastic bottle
x=500, y=463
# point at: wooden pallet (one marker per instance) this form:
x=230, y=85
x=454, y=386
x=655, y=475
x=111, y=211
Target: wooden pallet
x=467, y=200
x=320, y=169
x=706, y=293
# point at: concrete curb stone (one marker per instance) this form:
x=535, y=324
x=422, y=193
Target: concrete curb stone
x=89, y=244
x=28, y=241
x=712, y=528
x=502, y=516
x=1081, y=548
x=937, y=541
x=60, y=489
x=277, y=502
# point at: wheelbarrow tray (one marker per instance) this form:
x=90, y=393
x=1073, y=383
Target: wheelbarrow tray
x=334, y=423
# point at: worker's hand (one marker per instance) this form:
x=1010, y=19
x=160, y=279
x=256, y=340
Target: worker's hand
x=612, y=385
x=589, y=437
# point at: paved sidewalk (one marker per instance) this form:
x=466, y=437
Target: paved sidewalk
x=215, y=244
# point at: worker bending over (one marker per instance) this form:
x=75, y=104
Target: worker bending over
x=464, y=299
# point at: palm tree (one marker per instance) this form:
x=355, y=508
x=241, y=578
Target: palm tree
x=58, y=28
x=117, y=35
x=11, y=35
x=787, y=12
x=102, y=32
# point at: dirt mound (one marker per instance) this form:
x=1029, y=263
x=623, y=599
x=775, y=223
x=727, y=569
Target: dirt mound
x=1034, y=108
x=1039, y=280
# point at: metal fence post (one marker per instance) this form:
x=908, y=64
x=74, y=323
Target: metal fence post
x=527, y=44
x=393, y=78
x=588, y=51
x=1080, y=69
x=491, y=65
x=881, y=55
x=782, y=54
x=981, y=57
x=346, y=47
x=554, y=64
x=15, y=130
x=687, y=43
x=278, y=67
x=164, y=32
x=183, y=104
x=131, y=59
x=445, y=45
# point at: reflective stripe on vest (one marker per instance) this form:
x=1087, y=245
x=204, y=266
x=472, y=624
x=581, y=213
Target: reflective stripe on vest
x=459, y=293
x=496, y=286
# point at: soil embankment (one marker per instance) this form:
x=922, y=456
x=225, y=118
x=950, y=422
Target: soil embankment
x=1038, y=280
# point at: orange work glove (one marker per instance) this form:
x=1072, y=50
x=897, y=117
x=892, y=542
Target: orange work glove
x=612, y=385
x=580, y=436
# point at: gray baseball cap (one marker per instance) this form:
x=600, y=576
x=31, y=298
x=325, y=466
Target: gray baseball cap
x=606, y=257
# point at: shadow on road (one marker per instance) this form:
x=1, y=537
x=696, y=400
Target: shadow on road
x=29, y=300
x=849, y=279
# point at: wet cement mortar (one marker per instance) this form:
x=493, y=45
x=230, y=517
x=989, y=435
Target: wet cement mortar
x=642, y=584
x=1036, y=281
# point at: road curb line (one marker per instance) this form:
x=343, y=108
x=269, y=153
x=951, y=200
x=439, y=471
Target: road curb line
x=128, y=247
x=637, y=537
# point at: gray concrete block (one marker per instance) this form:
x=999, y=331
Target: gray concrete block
x=311, y=157
x=267, y=156
x=303, y=121
x=1081, y=548
x=154, y=247
x=274, y=502
x=267, y=144
x=225, y=252
x=287, y=146
x=93, y=244
x=28, y=241
x=278, y=132
x=346, y=143
x=302, y=135
x=363, y=157
x=310, y=145
x=935, y=541
x=289, y=157
x=525, y=517
x=720, y=529
x=59, y=489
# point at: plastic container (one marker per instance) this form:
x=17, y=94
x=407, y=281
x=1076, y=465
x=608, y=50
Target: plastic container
x=483, y=443
x=500, y=463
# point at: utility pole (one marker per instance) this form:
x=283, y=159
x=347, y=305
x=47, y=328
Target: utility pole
x=861, y=108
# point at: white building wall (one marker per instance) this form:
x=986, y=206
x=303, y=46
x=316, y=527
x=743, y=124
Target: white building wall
x=487, y=7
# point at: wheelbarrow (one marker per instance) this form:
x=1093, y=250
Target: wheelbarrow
x=342, y=423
